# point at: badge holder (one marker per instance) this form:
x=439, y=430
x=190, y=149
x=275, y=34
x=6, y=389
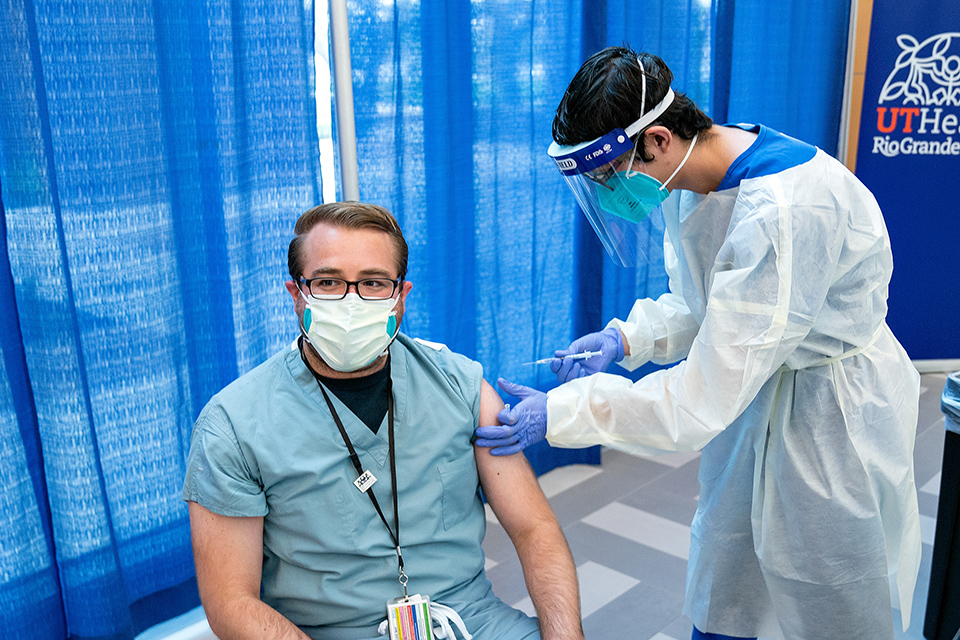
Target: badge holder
x=408, y=618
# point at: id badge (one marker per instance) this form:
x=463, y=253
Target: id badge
x=409, y=618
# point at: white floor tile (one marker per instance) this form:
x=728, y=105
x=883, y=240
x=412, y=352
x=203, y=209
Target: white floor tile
x=643, y=527
x=191, y=625
x=489, y=564
x=563, y=478
x=600, y=585
x=675, y=460
x=928, y=528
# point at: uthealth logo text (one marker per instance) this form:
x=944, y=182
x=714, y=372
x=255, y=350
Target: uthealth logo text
x=926, y=81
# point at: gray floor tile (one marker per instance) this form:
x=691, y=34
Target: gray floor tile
x=634, y=471
x=928, y=527
x=681, y=481
x=931, y=486
x=928, y=454
x=932, y=383
x=599, y=586
x=679, y=629
x=677, y=506
x=677, y=459
x=565, y=478
x=639, y=613
x=643, y=563
x=928, y=504
x=622, y=474
x=930, y=412
x=497, y=545
x=643, y=528
x=507, y=581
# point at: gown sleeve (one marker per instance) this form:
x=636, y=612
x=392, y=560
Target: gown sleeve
x=660, y=330
x=766, y=285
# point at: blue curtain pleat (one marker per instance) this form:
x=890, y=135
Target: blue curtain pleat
x=787, y=67
x=590, y=283
x=32, y=598
x=724, y=12
x=154, y=156
x=190, y=134
x=448, y=113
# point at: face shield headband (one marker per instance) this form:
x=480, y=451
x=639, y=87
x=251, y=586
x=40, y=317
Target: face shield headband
x=588, y=156
x=624, y=228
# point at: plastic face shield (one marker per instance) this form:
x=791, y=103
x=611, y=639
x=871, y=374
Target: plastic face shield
x=589, y=168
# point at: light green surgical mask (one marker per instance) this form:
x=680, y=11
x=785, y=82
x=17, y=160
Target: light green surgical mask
x=349, y=333
x=631, y=197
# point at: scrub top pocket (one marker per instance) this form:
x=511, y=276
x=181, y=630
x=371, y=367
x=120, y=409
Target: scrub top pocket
x=460, y=482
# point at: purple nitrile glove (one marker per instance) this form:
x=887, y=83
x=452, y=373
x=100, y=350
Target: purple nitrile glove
x=523, y=425
x=609, y=342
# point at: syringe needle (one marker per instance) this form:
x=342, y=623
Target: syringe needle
x=576, y=356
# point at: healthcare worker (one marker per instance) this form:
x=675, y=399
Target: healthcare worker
x=801, y=399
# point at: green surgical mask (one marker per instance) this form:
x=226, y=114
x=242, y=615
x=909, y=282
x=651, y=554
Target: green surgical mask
x=633, y=195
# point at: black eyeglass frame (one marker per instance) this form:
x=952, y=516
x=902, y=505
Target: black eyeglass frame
x=603, y=178
x=356, y=287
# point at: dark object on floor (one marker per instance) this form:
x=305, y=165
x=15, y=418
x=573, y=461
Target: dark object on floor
x=942, y=621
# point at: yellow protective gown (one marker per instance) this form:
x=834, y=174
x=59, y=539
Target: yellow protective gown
x=803, y=402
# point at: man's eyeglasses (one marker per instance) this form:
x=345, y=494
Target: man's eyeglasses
x=601, y=175
x=336, y=288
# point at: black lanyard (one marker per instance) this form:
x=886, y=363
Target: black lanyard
x=356, y=462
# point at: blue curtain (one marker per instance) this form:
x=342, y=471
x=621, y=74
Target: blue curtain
x=454, y=102
x=153, y=159
x=154, y=156
x=453, y=108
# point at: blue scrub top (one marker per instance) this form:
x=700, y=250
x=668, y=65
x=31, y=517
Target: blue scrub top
x=772, y=152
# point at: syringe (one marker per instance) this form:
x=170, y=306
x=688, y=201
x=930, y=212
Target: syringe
x=576, y=356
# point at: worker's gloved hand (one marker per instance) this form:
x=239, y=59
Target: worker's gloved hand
x=609, y=342
x=523, y=425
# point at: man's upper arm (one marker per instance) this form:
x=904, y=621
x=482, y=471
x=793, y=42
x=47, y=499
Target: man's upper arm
x=228, y=553
x=508, y=482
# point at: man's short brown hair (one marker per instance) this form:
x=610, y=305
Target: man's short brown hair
x=347, y=215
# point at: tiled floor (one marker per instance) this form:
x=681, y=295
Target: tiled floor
x=627, y=522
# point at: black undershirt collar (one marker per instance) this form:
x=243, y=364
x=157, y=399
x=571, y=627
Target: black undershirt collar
x=366, y=396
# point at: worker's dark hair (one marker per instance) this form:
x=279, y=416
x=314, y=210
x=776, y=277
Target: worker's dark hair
x=349, y=215
x=605, y=95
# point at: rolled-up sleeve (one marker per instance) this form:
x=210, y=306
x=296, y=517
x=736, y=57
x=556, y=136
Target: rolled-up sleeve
x=218, y=476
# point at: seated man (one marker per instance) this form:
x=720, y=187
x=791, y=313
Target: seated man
x=291, y=537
